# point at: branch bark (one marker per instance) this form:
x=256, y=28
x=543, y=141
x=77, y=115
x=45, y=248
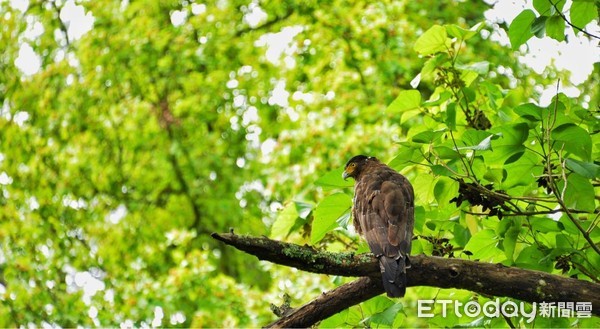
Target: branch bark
x=330, y=303
x=484, y=278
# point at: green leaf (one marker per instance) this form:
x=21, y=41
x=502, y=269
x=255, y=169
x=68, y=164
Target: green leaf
x=468, y=77
x=387, y=316
x=419, y=218
x=579, y=193
x=509, y=229
x=538, y=28
x=441, y=98
x=376, y=305
x=530, y=257
x=483, y=245
x=520, y=28
x=335, y=321
x=464, y=34
x=462, y=235
x=285, y=221
x=405, y=157
x=428, y=136
x=555, y=28
x=446, y=153
x=522, y=171
x=432, y=41
x=542, y=6
x=555, y=322
x=444, y=190
x=512, y=139
x=583, y=12
x=451, y=116
x=439, y=170
x=485, y=144
x=480, y=68
x=333, y=179
x=545, y=225
x=327, y=213
x=585, y=169
x=574, y=139
x=304, y=208
x=406, y=100
x=428, y=72
x=531, y=112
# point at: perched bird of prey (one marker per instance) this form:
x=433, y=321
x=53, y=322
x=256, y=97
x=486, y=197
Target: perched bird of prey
x=383, y=212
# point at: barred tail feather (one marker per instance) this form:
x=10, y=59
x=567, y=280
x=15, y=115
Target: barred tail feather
x=393, y=273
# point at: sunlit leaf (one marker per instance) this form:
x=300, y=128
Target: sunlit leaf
x=432, y=41
x=481, y=68
x=461, y=33
x=555, y=28
x=484, y=245
x=542, y=6
x=583, y=12
x=573, y=139
x=530, y=257
x=512, y=140
x=327, y=212
x=531, y=112
x=520, y=28
x=285, y=221
x=545, y=225
x=387, y=316
x=333, y=179
x=427, y=136
x=406, y=100
x=538, y=27
x=483, y=145
x=585, y=169
x=579, y=193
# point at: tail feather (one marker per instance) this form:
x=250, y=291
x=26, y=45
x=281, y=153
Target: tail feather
x=393, y=273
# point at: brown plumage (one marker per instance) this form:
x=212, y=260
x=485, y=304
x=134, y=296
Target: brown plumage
x=383, y=212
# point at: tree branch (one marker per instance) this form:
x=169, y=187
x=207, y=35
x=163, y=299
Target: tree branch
x=330, y=303
x=483, y=278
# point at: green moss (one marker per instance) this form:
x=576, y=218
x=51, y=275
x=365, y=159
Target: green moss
x=300, y=253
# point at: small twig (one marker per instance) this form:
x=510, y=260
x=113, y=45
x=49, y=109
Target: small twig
x=62, y=25
x=462, y=158
x=530, y=213
x=594, y=222
x=571, y=24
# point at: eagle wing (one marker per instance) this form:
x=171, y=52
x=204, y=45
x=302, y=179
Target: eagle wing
x=384, y=213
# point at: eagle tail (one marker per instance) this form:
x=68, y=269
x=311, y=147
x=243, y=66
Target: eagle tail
x=393, y=272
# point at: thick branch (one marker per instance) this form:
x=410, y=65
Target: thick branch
x=330, y=303
x=483, y=278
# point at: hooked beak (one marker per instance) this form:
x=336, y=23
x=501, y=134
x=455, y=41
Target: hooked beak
x=345, y=175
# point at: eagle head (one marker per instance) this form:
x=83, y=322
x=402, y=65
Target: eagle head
x=355, y=165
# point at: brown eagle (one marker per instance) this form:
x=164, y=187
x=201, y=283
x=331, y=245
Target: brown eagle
x=383, y=212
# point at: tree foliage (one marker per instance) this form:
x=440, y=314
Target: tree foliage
x=169, y=120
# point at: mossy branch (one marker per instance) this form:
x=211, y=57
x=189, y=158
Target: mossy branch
x=484, y=278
